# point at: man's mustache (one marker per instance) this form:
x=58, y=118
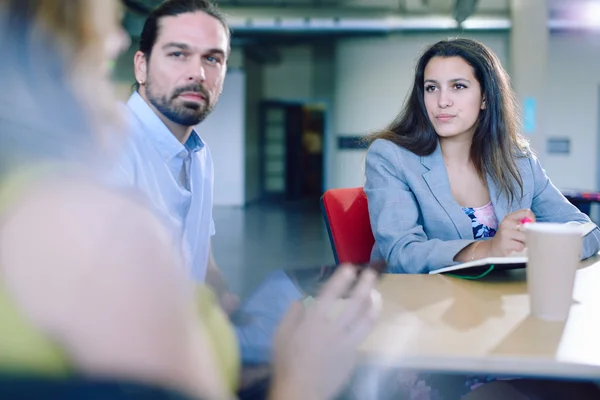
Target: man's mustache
x=196, y=88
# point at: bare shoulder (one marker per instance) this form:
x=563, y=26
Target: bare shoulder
x=95, y=270
x=80, y=224
x=72, y=198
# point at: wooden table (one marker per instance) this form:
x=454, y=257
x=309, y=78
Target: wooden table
x=440, y=323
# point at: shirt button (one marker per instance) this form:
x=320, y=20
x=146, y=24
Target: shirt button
x=182, y=154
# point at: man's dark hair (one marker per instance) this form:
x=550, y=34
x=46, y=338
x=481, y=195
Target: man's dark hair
x=172, y=8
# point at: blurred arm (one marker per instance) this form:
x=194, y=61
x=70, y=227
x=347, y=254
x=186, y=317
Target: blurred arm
x=101, y=281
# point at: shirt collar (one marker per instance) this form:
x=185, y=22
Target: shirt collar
x=194, y=142
x=154, y=129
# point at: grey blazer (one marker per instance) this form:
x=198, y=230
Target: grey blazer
x=417, y=224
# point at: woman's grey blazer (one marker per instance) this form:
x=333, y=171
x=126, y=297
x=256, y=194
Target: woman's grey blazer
x=417, y=224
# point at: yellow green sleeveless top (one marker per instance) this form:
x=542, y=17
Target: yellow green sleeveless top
x=221, y=335
x=25, y=350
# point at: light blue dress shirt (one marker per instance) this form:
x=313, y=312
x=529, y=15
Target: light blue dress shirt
x=177, y=178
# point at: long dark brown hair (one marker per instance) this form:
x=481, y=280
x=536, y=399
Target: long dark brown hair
x=497, y=141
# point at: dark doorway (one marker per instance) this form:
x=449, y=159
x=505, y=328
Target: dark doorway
x=291, y=150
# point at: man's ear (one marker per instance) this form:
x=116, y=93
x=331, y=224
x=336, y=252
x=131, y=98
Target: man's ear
x=140, y=66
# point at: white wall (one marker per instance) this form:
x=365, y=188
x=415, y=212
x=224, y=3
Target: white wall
x=323, y=71
x=292, y=78
x=372, y=79
x=324, y=90
x=224, y=132
x=570, y=109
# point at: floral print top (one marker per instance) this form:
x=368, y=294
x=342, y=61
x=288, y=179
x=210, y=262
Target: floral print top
x=483, y=220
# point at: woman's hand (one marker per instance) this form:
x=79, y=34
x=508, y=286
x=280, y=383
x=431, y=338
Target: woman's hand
x=510, y=237
x=316, y=346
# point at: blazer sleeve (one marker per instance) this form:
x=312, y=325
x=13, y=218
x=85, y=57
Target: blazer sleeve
x=549, y=205
x=395, y=217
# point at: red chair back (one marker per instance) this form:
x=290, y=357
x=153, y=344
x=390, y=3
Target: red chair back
x=347, y=218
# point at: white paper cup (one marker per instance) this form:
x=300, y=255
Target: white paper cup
x=553, y=258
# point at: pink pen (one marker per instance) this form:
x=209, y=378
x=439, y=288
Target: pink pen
x=526, y=220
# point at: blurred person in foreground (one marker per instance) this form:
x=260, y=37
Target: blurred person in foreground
x=180, y=69
x=91, y=284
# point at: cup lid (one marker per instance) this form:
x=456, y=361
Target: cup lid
x=554, y=227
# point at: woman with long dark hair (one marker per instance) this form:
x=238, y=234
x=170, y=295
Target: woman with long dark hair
x=452, y=178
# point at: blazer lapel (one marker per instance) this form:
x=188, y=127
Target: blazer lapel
x=436, y=178
x=500, y=203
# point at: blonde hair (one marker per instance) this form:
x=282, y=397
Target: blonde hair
x=78, y=30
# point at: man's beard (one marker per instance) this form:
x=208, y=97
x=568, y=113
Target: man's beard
x=187, y=114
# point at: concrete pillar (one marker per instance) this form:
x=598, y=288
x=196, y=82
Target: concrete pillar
x=529, y=40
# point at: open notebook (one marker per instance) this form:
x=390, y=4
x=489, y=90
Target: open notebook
x=479, y=268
